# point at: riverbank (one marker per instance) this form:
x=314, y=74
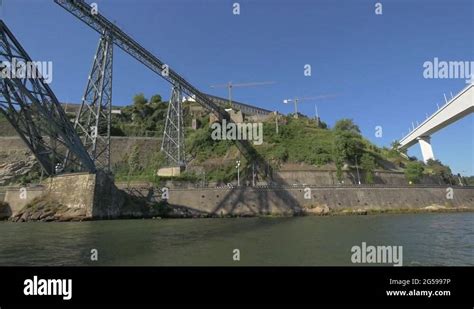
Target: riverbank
x=97, y=197
x=49, y=211
x=252, y=201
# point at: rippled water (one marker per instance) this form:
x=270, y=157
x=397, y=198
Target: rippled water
x=427, y=239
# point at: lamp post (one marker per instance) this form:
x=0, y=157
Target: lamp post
x=295, y=101
x=276, y=122
x=237, y=166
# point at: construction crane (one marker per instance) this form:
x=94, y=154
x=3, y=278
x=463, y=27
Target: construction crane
x=315, y=98
x=230, y=85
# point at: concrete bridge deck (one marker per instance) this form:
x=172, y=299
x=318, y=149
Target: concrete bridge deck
x=458, y=107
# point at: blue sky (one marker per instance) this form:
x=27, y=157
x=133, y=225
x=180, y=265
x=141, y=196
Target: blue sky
x=374, y=63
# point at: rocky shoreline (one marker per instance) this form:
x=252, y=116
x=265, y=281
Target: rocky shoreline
x=47, y=210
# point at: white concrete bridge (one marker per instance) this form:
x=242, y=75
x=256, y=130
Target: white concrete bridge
x=456, y=108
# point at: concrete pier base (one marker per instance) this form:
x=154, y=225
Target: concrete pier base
x=90, y=196
x=173, y=171
x=426, y=149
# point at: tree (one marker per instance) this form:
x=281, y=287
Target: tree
x=140, y=108
x=367, y=163
x=395, y=145
x=414, y=171
x=139, y=100
x=438, y=169
x=339, y=164
x=347, y=125
x=155, y=99
x=347, y=145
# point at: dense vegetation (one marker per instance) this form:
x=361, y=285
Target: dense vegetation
x=298, y=141
x=142, y=118
x=470, y=180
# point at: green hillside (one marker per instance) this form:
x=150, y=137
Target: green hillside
x=302, y=141
x=298, y=141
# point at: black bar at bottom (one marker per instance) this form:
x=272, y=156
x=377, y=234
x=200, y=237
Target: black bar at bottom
x=240, y=285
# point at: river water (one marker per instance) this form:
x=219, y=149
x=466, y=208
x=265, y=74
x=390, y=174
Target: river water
x=427, y=239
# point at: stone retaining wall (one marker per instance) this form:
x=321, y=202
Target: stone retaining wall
x=120, y=147
x=100, y=199
x=251, y=201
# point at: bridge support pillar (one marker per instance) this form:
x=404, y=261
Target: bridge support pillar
x=426, y=149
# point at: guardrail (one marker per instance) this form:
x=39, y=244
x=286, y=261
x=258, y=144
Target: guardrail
x=287, y=187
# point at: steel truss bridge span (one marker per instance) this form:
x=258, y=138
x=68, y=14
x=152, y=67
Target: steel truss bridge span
x=99, y=23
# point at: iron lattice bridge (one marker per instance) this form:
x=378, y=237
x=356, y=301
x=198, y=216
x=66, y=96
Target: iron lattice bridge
x=60, y=146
